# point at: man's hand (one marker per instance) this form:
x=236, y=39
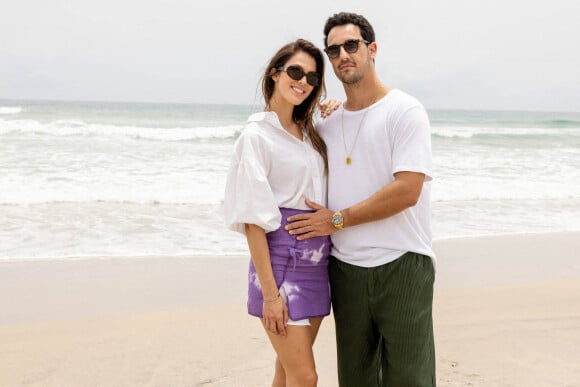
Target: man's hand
x=313, y=224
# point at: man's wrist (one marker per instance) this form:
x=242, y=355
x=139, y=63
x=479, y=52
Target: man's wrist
x=338, y=220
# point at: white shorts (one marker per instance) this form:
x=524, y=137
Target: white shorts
x=303, y=322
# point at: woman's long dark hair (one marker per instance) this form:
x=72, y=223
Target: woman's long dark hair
x=303, y=114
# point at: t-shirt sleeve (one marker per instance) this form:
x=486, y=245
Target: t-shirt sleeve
x=249, y=198
x=412, y=143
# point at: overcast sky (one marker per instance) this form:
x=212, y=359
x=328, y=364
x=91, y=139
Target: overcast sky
x=494, y=54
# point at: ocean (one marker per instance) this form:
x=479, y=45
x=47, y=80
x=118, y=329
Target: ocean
x=83, y=179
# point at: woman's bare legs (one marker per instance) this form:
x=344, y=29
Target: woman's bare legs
x=279, y=375
x=281, y=379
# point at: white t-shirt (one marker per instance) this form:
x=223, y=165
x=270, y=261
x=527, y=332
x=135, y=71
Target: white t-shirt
x=270, y=169
x=394, y=137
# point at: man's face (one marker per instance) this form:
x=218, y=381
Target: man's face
x=350, y=68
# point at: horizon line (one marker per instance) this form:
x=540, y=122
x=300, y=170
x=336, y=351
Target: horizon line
x=143, y=102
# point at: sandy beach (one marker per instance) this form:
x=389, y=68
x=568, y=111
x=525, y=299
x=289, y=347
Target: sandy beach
x=507, y=313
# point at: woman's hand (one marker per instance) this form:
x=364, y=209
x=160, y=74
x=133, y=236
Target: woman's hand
x=328, y=106
x=275, y=316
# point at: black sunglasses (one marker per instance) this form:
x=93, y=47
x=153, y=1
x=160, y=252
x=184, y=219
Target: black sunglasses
x=350, y=46
x=296, y=73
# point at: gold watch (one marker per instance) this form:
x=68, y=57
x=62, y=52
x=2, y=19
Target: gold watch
x=338, y=220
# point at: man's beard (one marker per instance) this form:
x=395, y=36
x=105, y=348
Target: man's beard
x=351, y=78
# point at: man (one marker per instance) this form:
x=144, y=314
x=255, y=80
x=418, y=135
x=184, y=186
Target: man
x=382, y=264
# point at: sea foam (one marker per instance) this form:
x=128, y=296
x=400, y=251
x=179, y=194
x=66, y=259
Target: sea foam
x=61, y=128
x=10, y=110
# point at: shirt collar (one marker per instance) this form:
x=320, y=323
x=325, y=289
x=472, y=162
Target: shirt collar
x=272, y=119
x=269, y=117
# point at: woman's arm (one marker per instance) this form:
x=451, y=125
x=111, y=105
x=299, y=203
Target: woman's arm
x=274, y=310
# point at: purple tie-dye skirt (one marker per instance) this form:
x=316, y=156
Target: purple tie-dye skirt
x=301, y=267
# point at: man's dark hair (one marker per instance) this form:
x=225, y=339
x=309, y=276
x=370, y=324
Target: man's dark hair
x=342, y=18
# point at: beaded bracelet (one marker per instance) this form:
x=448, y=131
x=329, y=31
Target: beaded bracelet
x=267, y=301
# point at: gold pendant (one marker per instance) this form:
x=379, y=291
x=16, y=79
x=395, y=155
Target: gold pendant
x=348, y=161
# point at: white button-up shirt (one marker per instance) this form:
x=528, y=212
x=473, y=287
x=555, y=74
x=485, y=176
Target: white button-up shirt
x=270, y=169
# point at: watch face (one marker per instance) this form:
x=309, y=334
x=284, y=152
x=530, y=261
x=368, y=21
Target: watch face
x=336, y=219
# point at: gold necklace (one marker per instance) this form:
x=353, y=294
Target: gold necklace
x=346, y=151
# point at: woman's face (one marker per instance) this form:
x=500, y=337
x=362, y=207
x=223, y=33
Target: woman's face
x=293, y=91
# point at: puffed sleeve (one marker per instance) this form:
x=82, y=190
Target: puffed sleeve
x=248, y=196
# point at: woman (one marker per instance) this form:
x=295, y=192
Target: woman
x=279, y=161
